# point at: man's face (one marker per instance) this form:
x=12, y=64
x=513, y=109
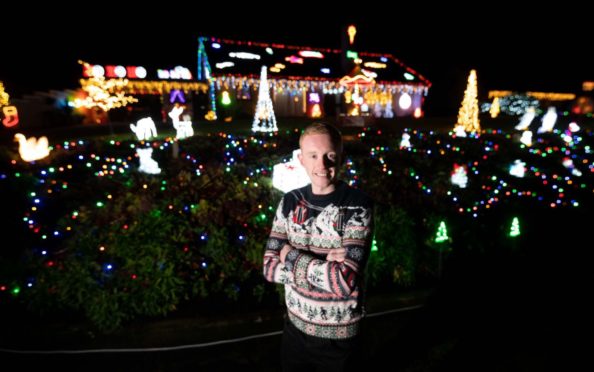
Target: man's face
x=320, y=159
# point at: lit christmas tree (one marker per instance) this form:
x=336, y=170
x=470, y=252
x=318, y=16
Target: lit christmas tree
x=460, y=176
x=264, y=119
x=374, y=247
x=515, y=228
x=495, y=108
x=469, y=110
x=102, y=95
x=442, y=233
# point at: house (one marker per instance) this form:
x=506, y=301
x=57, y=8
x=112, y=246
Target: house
x=308, y=82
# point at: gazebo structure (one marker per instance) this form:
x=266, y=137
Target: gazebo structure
x=308, y=82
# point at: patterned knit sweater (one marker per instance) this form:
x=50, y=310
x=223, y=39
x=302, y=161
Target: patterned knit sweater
x=324, y=298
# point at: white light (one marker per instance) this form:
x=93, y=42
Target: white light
x=244, y=55
x=144, y=129
x=405, y=101
x=290, y=175
x=325, y=70
x=310, y=54
x=98, y=71
x=405, y=141
x=222, y=65
x=526, y=138
x=183, y=129
x=548, y=120
x=518, y=168
x=269, y=50
x=120, y=71
x=140, y=72
x=459, y=176
x=409, y=76
x=459, y=131
x=147, y=163
x=573, y=127
x=32, y=149
x=526, y=119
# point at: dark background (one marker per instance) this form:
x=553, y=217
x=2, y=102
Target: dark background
x=535, y=48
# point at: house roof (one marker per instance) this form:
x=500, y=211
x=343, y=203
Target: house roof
x=245, y=58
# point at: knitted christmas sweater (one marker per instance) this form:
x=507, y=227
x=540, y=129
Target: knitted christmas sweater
x=324, y=298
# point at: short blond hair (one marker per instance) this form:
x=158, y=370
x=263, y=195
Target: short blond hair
x=324, y=128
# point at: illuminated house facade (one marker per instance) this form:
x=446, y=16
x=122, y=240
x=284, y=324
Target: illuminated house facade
x=308, y=82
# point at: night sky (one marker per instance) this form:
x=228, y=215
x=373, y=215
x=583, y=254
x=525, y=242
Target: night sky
x=510, y=51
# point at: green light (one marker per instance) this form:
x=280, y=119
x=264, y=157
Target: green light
x=515, y=228
x=374, y=245
x=442, y=233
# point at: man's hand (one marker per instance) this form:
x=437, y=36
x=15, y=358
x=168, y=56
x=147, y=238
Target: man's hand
x=336, y=254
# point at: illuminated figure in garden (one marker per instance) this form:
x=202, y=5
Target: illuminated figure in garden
x=147, y=163
x=32, y=149
x=144, y=129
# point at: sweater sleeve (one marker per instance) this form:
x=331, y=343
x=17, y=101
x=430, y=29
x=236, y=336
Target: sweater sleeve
x=274, y=270
x=339, y=278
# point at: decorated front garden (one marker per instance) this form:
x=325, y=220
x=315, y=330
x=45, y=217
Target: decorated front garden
x=95, y=236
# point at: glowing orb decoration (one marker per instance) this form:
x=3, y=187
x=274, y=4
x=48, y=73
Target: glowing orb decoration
x=32, y=149
x=290, y=175
x=405, y=101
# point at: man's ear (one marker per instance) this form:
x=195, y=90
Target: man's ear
x=300, y=157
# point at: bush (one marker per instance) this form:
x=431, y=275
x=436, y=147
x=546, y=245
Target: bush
x=395, y=260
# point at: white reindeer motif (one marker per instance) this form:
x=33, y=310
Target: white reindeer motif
x=144, y=129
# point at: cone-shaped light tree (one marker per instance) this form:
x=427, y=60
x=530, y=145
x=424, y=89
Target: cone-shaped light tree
x=469, y=110
x=264, y=119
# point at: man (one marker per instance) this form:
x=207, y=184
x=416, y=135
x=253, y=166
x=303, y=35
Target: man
x=318, y=248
